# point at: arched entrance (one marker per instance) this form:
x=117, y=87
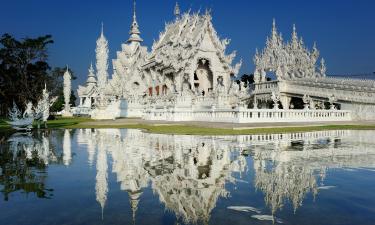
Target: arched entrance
x=203, y=77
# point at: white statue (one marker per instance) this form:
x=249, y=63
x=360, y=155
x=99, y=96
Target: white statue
x=67, y=93
x=275, y=98
x=234, y=89
x=19, y=122
x=255, y=103
x=28, y=111
x=306, y=101
x=42, y=109
x=220, y=88
x=332, y=100
x=186, y=85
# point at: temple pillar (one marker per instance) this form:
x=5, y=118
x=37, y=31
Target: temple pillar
x=285, y=101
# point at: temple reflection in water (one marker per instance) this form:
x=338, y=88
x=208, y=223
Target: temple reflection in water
x=190, y=173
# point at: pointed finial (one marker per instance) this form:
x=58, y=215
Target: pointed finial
x=294, y=28
x=134, y=11
x=102, y=31
x=134, y=29
x=177, y=11
x=274, y=29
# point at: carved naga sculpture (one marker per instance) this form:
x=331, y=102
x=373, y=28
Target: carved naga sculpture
x=24, y=122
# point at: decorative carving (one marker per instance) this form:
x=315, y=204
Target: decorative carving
x=19, y=122
x=275, y=98
x=288, y=60
x=332, y=100
x=42, y=108
x=306, y=100
x=67, y=92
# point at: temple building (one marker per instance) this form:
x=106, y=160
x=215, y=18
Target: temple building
x=299, y=77
x=188, y=76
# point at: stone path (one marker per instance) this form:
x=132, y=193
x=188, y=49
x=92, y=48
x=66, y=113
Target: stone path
x=128, y=121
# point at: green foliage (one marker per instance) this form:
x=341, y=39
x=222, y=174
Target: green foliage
x=248, y=79
x=23, y=69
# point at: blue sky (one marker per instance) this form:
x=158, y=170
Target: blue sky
x=343, y=29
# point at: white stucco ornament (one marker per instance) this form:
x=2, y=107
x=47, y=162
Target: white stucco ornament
x=275, y=98
x=21, y=121
x=67, y=93
x=42, y=109
x=288, y=60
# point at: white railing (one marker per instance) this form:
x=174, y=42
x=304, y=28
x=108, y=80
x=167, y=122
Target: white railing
x=247, y=115
x=81, y=111
x=267, y=115
x=266, y=87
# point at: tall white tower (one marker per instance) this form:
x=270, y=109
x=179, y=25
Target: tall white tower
x=102, y=61
x=67, y=92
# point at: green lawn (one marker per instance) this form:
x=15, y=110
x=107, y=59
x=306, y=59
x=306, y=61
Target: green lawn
x=192, y=130
x=57, y=123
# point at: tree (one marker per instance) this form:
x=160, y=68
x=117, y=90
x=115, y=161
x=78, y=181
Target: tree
x=23, y=70
x=248, y=79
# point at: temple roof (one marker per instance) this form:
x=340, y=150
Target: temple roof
x=186, y=29
x=183, y=37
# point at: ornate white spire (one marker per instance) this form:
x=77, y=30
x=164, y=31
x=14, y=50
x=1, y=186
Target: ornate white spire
x=91, y=76
x=177, y=11
x=274, y=29
x=323, y=68
x=102, y=60
x=294, y=40
x=67, y=89
x=134, y=30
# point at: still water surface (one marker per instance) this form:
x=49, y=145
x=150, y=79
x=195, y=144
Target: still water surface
x=119, y=176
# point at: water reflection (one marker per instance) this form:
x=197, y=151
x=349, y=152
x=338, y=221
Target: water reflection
x=188, y=174
x=288, y=169
x=23, y=162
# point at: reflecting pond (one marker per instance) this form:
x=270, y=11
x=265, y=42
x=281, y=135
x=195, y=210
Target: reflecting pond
x=120, y=176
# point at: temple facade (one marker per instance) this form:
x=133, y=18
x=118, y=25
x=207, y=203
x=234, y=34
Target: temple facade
x=187, y=75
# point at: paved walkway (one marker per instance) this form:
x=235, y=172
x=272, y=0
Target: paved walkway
x=128, y=121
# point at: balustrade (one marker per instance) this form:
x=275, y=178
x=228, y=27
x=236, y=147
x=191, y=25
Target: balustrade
x=248, y=115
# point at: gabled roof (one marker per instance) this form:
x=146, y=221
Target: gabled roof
x=181, y=40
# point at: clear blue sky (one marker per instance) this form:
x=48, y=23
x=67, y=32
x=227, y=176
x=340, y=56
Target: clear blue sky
x=343, y=29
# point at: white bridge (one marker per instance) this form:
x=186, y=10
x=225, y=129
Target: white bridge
x=355, y=95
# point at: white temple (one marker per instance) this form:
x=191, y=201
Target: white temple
x=188, y=76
